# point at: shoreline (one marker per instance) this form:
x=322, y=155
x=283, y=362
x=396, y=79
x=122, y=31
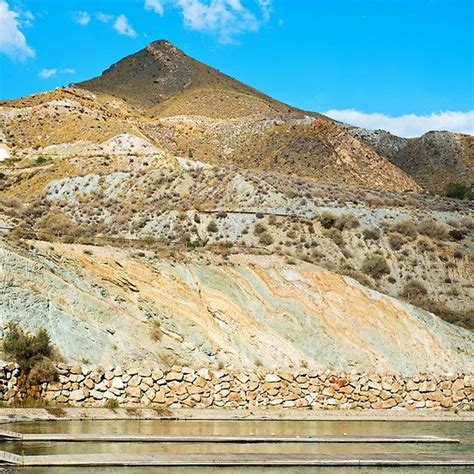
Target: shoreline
x=25, y=415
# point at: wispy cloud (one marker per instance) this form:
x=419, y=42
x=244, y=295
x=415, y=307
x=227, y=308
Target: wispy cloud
x=49, y=73
x=119, y=23
x=410, y=125
x=155, y=5
x=122, y=26
x=82, y=18
x=104, y=17
x=225, y=19
x=12, y=41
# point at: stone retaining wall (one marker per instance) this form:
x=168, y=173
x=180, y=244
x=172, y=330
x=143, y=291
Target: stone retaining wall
x=183, y=387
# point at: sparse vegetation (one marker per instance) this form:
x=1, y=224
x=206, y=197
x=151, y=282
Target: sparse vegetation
x=405, y=227
x=459, y=191
x=327, y=219
x=433, y=229
x=413, y=290
x=376, y=266
x=396, y=240
x=371, y=234
x=212, y=227
x=41, y=160
x=111, y=404
x=32, y=352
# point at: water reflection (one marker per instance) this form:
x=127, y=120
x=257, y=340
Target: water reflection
x=461, y=430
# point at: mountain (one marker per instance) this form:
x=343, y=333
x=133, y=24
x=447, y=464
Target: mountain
x=432, y=160
x=160, y=72
x=164, y=194
x=187, y=108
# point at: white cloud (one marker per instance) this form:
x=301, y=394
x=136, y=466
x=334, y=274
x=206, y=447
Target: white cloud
x=122, y=26
x=47, y=73
x=155, y=5
x=410, y=125
x=82, y=18
x=120, y=23
x=104, y=17
x=12, y=41
x=225, y=19
x=265, y=6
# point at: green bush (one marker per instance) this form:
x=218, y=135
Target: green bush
x=32, y=352
x=24, y=348
x=41, y=160
x=458, y=191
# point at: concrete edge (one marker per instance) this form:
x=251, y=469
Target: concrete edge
x=18, y=415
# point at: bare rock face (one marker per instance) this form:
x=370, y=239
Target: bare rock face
x=252, y=311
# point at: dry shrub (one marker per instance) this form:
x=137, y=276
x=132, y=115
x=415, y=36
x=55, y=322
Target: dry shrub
x=55, y=225
x=396, y=240
x=156, y=332
x=405, y=227
x=433, y=229
x=58, y=412
x=11, y=206
x=327, y=219
x=371, y=234
x=375, y=266
x=336, y=236
x=212, y=227
x=42, y=371
x=456, y=234
x=111, y=404
x=356, y=275
x=266, y=239
x=413, y=290
x=346, y=222
x=424, y=245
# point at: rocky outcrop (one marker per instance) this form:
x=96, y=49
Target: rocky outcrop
x=184, y=387
x=433, y=160
x=109, y=306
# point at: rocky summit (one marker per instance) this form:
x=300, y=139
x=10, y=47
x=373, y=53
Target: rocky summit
x=164, y=214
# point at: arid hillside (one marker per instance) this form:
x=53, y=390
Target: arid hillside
x=187, y=108
x=167, y=212
x=104, y=305
x=432, y=160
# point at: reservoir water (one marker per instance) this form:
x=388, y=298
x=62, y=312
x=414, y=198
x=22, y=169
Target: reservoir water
x=464, y=431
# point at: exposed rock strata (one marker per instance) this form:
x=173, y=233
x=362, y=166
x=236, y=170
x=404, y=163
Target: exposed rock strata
x=109, y=306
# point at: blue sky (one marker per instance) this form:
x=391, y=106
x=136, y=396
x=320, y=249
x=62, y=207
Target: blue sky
x=403, y=65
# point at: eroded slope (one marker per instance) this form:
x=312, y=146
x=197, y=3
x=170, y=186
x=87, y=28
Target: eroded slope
x=104, y=305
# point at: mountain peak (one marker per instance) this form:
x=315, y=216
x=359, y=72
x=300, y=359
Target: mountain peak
x=159, y=72
x=163, y=45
